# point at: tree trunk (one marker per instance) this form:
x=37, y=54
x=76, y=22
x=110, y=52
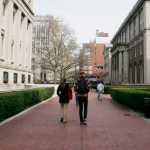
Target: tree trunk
x=55, y=76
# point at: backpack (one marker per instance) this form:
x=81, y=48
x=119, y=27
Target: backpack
x=82, y=86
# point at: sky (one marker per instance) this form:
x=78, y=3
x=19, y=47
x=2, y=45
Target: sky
x=87, y=16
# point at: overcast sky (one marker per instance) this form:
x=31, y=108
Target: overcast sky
x=87, y=16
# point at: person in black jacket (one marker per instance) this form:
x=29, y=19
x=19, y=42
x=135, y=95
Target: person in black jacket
x=62, y=92
x=82, y=97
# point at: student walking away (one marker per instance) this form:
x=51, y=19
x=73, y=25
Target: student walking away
x=100, y=88
x=62, y=92
x=82, y=87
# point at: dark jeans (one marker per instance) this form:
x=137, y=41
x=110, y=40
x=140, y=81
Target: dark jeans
x=83, y=101
x=76, y=95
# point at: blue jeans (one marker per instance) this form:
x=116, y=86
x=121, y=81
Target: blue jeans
x=100, y=94
x=76, y=95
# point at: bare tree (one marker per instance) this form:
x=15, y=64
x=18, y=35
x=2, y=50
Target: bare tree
x=56, y=42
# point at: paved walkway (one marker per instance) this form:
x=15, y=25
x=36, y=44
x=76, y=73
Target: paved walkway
x=107, y=129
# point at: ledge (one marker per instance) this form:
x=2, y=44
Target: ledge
x=117, y=45
x=28, y=7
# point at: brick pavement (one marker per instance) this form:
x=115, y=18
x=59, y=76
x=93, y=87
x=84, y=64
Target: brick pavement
x=107, y=129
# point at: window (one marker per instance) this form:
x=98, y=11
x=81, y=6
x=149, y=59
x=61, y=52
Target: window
x=85, y=72
x=43, y=67
x=85, y=62
x=135, y=26
x=90, y=67
x=87, y=50
x=15, y=77
x=43, y=61
x=141, y=20
x=141, y=48
x=130, y=54
x=5, y=77
x=12, y=45
x=141, y=73
x=130, y=74
x=32, y=67
x=29, y=78
x=90, y=62
x=32, y=61
x=85, y=67
x=90, y=72
x=135, y=52
x=135, y=74
x=89, y=57
x=131, y=31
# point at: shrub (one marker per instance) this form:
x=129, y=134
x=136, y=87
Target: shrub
x=14, y=102
x=133, y=98
x=37, y=81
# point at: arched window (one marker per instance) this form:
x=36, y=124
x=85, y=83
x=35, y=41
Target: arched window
x=130, y=74
x=141, y=73
x=135, y=71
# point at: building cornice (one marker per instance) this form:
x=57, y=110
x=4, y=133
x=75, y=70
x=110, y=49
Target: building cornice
x=128, y=18
x=28, y=7
x=15, y=68
x=117, y=45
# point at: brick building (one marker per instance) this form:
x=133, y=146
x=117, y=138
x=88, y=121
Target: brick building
x=131, y=47
x=93, y=55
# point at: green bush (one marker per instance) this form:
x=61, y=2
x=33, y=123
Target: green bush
x=133, y=98
x=14, y=102
x=37, y=81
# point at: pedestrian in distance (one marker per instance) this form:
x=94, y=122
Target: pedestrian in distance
x=91, y=85
x=100, y=88
x=62, y=92
x=82, y=87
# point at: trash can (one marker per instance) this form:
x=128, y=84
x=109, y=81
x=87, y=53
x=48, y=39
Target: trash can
x=147, y=107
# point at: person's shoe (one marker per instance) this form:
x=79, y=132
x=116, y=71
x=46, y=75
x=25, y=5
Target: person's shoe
x=101, y=99
x=81, y=123
x=65, y=122
x=61, y=120
x=84, y=122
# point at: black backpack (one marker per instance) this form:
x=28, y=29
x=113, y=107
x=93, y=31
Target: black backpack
x=82, y=86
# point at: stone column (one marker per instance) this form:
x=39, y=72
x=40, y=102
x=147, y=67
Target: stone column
x=8, y=32
x=17, y=24
x=19, y=77
x=120, y=66
x=11, y=77
x=125, y=66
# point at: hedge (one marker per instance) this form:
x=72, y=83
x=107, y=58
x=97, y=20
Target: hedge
x=12, y=103
x=133, y=98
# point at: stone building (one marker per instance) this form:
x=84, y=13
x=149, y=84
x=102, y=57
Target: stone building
x=16, y=19
x=107, y=63
x=131, y=47
x=39, y=61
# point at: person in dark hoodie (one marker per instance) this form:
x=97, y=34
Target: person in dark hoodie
x=82, y=87
x=62, y=92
